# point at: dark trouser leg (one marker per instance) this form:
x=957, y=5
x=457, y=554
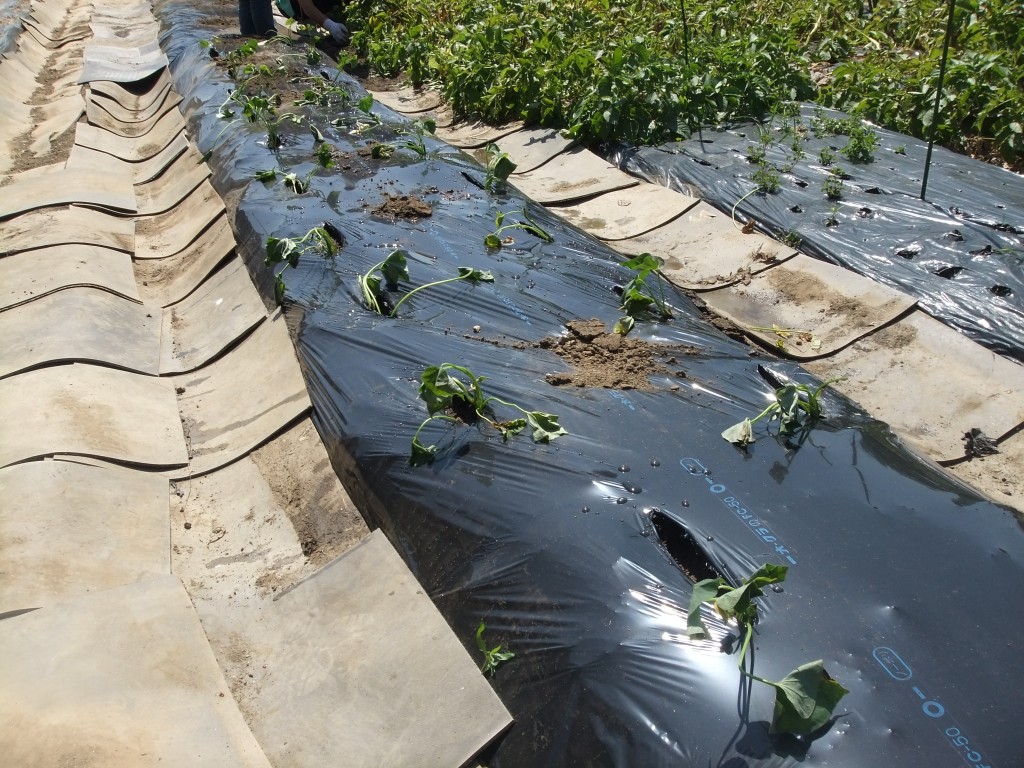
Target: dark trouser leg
x=255, y=18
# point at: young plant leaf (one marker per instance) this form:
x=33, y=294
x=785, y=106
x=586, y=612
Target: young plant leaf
x=317, y=135
x=788, y=398
x=492, y=241
x=645, y=263
x=394, y=269
x=510, y=428
x=279, y=287
x=279, y=249
x=805, y=699
x=634, y=302
x=545, y=426
x=492, y=656
x=624, y=325
x=421, y=454
x=738, y=603
x=438, y=388
x=474, y=275
x=365, y=104
x=703, y=592
x=266, y=175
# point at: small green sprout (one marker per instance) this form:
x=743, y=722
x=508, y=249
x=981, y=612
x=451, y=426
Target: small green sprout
x=492, y=656
x=499, y=167
x=455, y=398
x=638, y=299
x=267, y=174
x=494, y=240
x=412, y=139
x=807, y=696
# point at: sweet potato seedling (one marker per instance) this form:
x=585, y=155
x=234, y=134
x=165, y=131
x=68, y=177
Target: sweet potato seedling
x=638, y=298
x=454, y=393
x=494, y=239
x=395, y=268
x=499, y=167
x=325, y=240
x=412, y=139
x=807, y=696
x=492, y=656
x=796, y=406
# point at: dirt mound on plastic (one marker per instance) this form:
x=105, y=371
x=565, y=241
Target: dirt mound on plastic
x=404, y=207
x=608, y=360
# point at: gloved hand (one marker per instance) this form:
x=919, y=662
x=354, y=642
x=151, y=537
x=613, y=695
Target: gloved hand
x=338, y=31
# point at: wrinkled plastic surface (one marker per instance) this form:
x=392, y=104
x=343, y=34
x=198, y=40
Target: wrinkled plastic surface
x=11, y=14
x=902, y=580
x=960, y=253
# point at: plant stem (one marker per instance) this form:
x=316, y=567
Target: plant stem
x=420, y=288
x=734, y=205
x=743, y=655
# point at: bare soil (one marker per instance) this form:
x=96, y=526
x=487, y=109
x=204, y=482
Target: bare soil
x=608, y=360
x=403, y=207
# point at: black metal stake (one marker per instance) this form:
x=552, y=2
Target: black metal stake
x=686, y=58
x=938, y=98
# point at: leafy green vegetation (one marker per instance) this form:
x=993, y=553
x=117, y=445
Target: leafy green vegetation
x=455, y=398
x=807, y=696
x=620, y=69
x=492, y=656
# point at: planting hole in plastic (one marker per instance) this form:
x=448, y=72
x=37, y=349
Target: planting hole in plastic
x=1001, y=290
x=683, y=548
x=949, y=272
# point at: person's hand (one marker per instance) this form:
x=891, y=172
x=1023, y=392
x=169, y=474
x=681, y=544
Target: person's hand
x=338, y=31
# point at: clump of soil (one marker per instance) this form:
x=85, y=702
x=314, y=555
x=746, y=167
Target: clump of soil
x=403, y=207
x=608, y=360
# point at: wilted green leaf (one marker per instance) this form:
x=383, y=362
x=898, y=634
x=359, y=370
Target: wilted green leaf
x=741, y=434
x=394, y=269
x=545, y=426
x=317, y=135
x=805, y=699
x=738, y=603
x=624, y=325
x=703, y=592
x=788, y=398
x=421, y=454
x=437, y=388
x=266, y=175
x=474, y=275
x=510, y=428
x=279, y=249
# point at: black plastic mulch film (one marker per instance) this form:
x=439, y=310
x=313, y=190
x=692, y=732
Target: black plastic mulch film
x=905, y=582
x=960, y=253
